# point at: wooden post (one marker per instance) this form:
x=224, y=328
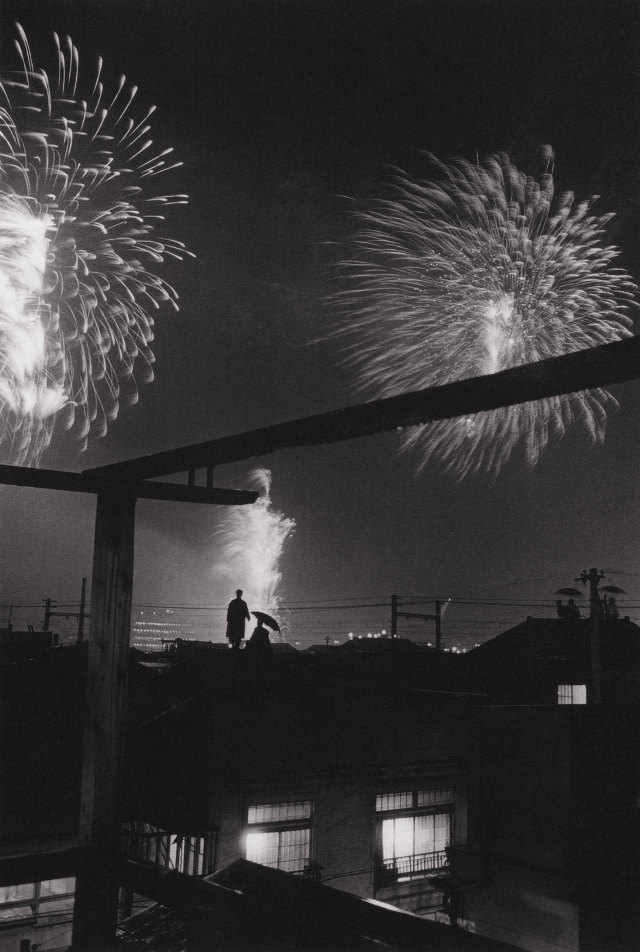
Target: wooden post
x=96, y=901
x=438, y=620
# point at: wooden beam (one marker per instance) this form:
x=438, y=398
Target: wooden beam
x=175, y=492
x=583, y=370
x=81, y=483
x=48, y=863
x=48, y=479
x=95, y=910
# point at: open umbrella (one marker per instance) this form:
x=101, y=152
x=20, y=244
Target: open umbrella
x=267, y=620
x=569, y=591
x=613, y=589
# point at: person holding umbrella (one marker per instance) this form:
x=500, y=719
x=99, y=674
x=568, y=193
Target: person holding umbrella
x=259, y=642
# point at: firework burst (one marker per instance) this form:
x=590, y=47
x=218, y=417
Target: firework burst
x=474, y=273
x=78, y=250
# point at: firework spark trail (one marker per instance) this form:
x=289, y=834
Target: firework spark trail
x=251, y=542
x=473, y=274
x=78, y=250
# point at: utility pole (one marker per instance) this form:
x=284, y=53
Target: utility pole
x=437, y=618
x=48, y=602
x=592, y=577
x=81, y=615
x=83, y=596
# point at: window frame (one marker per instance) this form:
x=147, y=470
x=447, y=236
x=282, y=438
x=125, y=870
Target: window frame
x=386, y=870
x=35, y=905
x=280, y=826
x=566, y=699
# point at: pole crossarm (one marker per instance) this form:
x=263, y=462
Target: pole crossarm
x=90, y=483
x=583, y=370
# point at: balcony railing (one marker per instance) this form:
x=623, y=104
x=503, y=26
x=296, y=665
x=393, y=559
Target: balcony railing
x=147, y=847
x=192, y=855
x=402, y=868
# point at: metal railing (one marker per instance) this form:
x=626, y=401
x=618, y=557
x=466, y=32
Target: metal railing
x=192, y=855
x=398, y=868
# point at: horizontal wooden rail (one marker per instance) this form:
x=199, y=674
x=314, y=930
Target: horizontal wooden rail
x=89, y=483
x=584, y=370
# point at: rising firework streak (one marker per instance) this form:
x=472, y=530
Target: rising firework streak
x=250, y=545
x=473, y=273
x=78, y=250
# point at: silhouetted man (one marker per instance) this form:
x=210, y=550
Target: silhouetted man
x=237, y=614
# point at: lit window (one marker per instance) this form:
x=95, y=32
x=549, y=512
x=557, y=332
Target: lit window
x=279, y=812
x=406, y=801
x=413, y=835
x=280, y=835
x=572, y=694
x=394, y=801
x=35, y=900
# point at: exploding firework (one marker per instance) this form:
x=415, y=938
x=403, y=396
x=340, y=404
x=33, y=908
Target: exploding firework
x=78, y=250
x=251, y=543
x=477, y=272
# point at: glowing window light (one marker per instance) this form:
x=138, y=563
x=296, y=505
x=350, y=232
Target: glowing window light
x=263, y=848
x=279, y=812
x=285, y=840
x=410, y=837
x=572, y=694
x=394, y=801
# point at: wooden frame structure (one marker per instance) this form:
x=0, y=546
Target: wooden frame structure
x=119, y=485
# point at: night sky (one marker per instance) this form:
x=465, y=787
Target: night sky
x=288, y=115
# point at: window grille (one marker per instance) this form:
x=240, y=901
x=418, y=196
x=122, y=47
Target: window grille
x=411, y=840
x=36, y=900
x=281, y=849
x=408, y=800
x=394, y=801
x=283, y=840
x=427, y=798
x=572, y=694
x=279, y=812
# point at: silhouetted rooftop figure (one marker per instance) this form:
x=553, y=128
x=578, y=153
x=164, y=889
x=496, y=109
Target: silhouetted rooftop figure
x=259, y=642
x=572, y=609
x=568, y=611
x=237, y=614
x=610, y=607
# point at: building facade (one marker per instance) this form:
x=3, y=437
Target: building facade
x=342, y=770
